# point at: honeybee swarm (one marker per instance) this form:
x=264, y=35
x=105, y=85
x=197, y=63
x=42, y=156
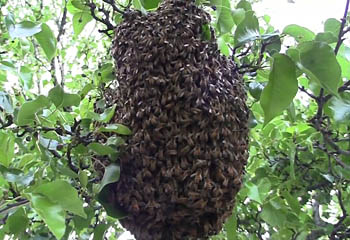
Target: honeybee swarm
x=185, y=104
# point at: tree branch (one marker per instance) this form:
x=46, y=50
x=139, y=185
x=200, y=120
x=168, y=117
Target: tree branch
x=341, y=30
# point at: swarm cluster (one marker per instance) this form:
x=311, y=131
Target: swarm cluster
x=185, y=103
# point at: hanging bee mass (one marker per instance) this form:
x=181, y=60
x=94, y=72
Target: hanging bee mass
x=185, y=104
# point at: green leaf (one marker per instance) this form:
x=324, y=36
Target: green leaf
x=111, y=175
x=116, y=128
x=17, y=222
x=252, y=122
x=341, y=110
x=271, y=215
x=71, y=100
x=319, y=62
x=273, y=45
x=106, y=116
x=9, y=21
x=247, y=30
x=99, y=231
x=80, y=19
x=100, y=149
x=62, y=193
x=105, y=73
x=52, y=213
x=281, y=88
x=138, y=5
x=86, y=89
x=79, y=4
x=83, y=178
x=224, y=49
x=292, y=202
x=231, y=226
x=106, y=192
x=150, y=4
x=326, y=37
x=292, y=151
x=332, y=25
x=206, y=34
x=245, y=5
x=260, y=191
x=24, y=29
x=81, y=223
x=6, y=102
x=47, y=41
x=238, y=15
x=27, y=111
x=56, y=95
x=253, y=192
x=223, y=15
x=17, y=176
x=300, y=34
x=255, y=89
x=7, y=66
x=344, y=65
x=26, y=75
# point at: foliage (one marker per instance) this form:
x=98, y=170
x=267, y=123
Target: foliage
x=55, y=65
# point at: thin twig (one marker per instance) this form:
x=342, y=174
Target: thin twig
x=338, y=225
x=341, y=30
x=13, y=205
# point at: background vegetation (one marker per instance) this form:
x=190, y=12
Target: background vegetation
x=55, y=63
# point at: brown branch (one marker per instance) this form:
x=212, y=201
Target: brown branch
x=62, y=22
x=13, y=205
x=339, y=224
x=115, y=8
x=70, y=162
x=104, y=20
x=341, y=30
x=58, y=38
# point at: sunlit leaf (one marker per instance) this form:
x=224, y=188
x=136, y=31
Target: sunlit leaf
x=319, y=62
x=138, y=5
x=80, y=20
x=341, y=110
x=47, y=41
x=150, y=4
x=6, y=102
x=17, y=176
x=300, y=34
x=238, y=15
x=116, y=128
x=62, y=193
x=247, y=30
x=281, y=88
x=223, y=15
x=24, y=29
x=26, y=75
x=245, y=5
x=52, y=213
